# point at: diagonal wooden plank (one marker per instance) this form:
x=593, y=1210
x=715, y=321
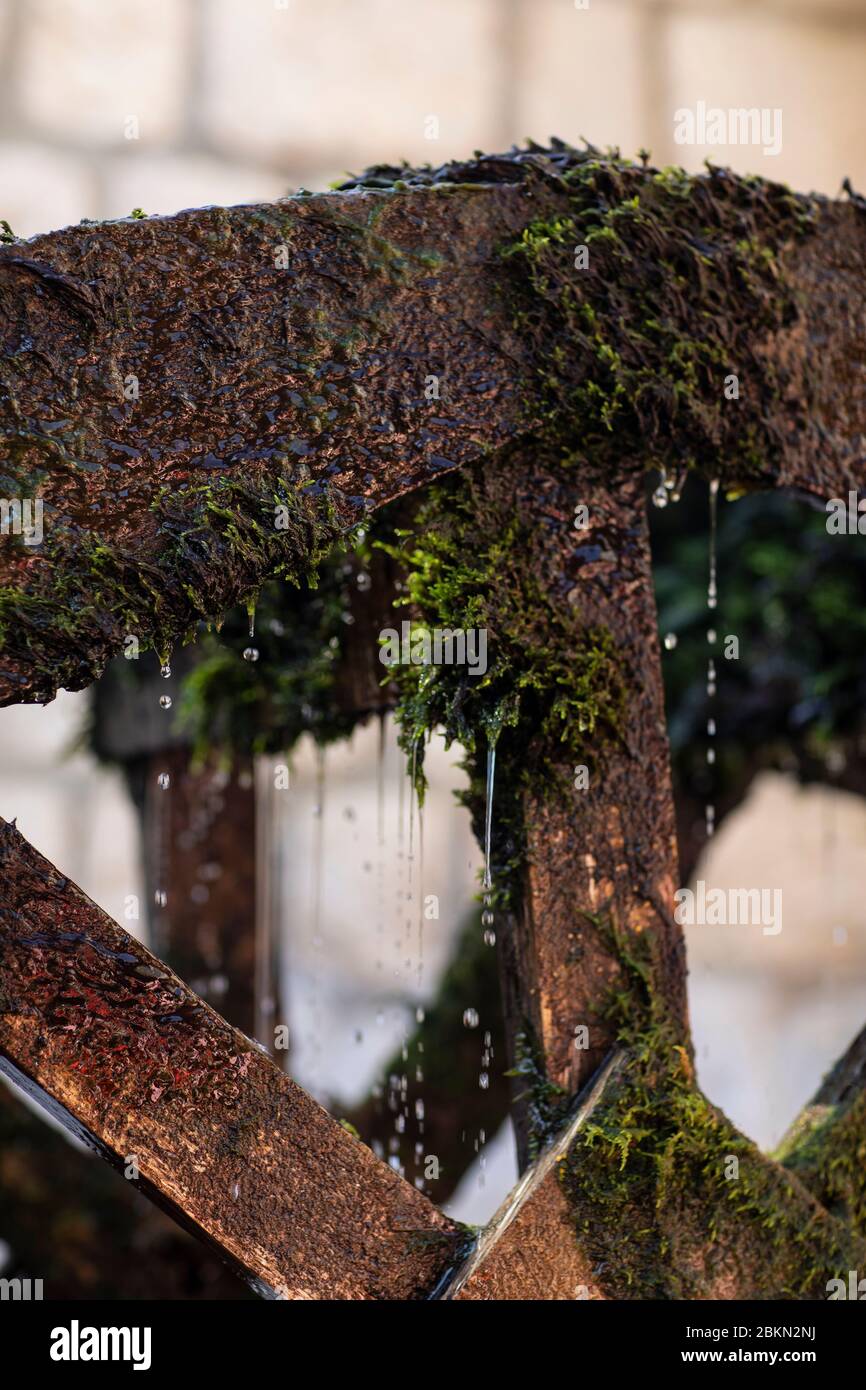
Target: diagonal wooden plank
x=528, y=1249
x=104, y=1033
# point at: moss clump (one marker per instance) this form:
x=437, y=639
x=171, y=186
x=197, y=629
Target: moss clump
x=668, y=1199
x=827, y=1151
x=90, y=592
x=553, y=685
x=681, y=285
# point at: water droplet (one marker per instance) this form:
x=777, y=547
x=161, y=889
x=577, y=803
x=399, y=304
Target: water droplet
x=711, y=728
x=419, y=1015
x=484, y=1080
x=363, y=581
x=160, y=897
x=165, y=701
x=670, y=641
x=470, y=1018
x=711, y=755
x=660, y=496
x=164, y=781
x=490, y=938
x=251, y=653
x=165, y=671
x=487, y=918
x=711, y=635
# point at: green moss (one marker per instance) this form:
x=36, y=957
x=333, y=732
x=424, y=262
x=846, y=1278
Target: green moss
x=683, y=282
x=827, y=1152
x=472, y=561
x=668, y=1199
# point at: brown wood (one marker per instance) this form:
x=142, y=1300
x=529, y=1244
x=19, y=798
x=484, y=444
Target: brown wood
x=226, y=1142
x=282, y=350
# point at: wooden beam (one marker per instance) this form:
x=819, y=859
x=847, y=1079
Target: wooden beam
x=104, y=1033
x=166, y=383
x=528, y=1250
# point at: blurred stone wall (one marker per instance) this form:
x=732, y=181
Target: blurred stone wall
x=107, y=105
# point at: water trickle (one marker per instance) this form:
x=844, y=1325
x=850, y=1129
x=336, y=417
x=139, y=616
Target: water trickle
x=420, y=895
x=487, y=917
x=316, y=866
x=380, y=841
x=712, y=603
x=712, y=591
x=488, y=820
x=251, y=614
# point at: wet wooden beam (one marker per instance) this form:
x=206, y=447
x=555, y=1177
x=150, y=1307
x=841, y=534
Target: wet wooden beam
x=166, y=383
x=597, y=833
x=529, y=1249
x=101, y=1031
x=67, y=1218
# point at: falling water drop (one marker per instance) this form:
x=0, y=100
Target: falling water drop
x=670, y=641
x=660, y=496
x=165, y=701
x=160, y=897
x=251, y=653
x=164, y=781
x=165, y=670
x=470, y=1018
